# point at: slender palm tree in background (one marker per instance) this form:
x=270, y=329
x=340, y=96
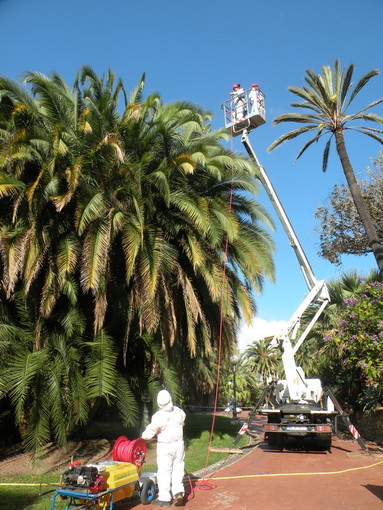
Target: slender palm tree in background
x=328, y=97
x=115, y=229
x=248, y=385
x=265, y=358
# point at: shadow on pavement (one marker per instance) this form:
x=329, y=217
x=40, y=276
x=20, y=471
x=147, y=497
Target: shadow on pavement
x=377, y=490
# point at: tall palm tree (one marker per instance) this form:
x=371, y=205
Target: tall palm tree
x=328, y=97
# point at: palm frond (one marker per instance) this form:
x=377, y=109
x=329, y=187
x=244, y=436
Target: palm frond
x=126, y=403
x=101, y=371
x=369, y=133
x=9, y=185
x=94, y=209
x=346, y=85
x=290, y=136
x=26, y=366
x=295, y=117
x=95, y=255
x=308, y=144
x=368, y=117
x=361, y=83
x=326, y=153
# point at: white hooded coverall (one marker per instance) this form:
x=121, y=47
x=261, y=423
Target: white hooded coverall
x=167, y=424
x=256, y=101
x=239, y=104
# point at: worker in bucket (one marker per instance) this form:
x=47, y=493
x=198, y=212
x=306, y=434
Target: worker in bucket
x=253, y=97
x=167, y=424
x=256, y=100
x=239, y=102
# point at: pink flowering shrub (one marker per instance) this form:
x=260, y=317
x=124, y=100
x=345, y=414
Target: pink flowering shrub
x=359, y=337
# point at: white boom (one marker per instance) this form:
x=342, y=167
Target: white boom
x=298, y=388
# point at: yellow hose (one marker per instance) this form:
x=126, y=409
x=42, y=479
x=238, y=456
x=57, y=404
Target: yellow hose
x=26, y=484
x=298, y=474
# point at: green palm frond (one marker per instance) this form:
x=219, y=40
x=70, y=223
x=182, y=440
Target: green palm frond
x=126, y=402
x=94, y=209
x=291, y=135
x=68, y=252
x=37, y=432
x=101, y=367
x=361, y=83
x=189, y=206
x=369, y=132
x=367, y=117
x=17, y=93
x=9, y=185
x=326, y=153
x=308, y=144
x=295, y=117
x=169, y=378
x=131, y=244
x=95, y=254
x=25, y=367
x=346, y=86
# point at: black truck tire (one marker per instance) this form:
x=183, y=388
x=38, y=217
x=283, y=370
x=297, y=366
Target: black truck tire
x=324, y=442
x=271, y=438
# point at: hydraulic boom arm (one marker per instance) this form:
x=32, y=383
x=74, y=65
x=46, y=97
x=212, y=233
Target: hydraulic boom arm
x=294, y=242
x=318, y=292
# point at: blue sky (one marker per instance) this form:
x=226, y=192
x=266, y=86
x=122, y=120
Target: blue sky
x=196, y=51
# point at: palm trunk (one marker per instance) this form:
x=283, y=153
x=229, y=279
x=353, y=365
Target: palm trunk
x=359, y=201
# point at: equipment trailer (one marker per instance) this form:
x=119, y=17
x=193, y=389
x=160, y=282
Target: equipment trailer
x=101, y=485
x=295, y=406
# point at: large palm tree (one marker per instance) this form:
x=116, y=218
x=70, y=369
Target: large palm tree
x=328, y=97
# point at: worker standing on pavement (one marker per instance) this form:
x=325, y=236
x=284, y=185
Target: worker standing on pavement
x=167, y=424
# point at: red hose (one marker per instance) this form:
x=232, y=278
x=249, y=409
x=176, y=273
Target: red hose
x=129, y=451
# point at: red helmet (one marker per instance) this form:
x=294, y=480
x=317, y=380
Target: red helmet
x=236, y=86
x=254, y=85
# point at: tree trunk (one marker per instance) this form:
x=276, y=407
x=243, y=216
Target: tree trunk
x=359, y=201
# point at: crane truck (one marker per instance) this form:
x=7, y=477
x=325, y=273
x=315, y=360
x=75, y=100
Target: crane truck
x=295, y=407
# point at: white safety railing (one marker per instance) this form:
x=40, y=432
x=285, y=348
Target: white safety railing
x=244, y=110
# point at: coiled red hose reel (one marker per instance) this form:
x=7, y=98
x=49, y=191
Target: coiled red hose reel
x=133, y=451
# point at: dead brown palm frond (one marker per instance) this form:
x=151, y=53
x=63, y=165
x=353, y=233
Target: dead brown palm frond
x=100, y=307
x=95, y=252
x=13, y=250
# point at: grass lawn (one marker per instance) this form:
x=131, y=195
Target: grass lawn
x=197, y=434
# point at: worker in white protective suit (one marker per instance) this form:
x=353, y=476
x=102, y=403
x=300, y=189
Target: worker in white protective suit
x=256, y=100
x=253, y=97
x=239, y=102
x=167, y=424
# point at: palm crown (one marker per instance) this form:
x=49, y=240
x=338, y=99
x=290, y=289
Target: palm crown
x=329, y=96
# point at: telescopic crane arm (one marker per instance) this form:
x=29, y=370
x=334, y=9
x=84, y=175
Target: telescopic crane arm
x=318, y=292
x=305, y=266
